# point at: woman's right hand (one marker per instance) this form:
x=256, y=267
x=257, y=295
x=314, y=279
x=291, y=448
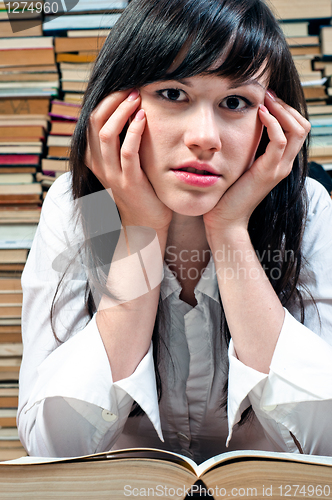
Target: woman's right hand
x=126, y=320
x=117, y=166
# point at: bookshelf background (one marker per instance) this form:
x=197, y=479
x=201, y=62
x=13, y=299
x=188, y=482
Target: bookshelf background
x=43, y=74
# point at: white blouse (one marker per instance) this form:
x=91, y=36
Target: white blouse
x=69, y=405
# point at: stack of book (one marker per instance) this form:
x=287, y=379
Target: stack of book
x=28, y=80
x=75, y=55
x=305, y=48
x=10, y=445
x=16, y=172
x=34, y=69
x=307, y=27
x=63, y=116
x=15, y=240
x=301, y=23
x=85, y=15
x=21, y=144
x=324, y=63
x=78, y=37
x=28, y=67
x=28, y=24
x=299, y=10
x=321, y=116
x=11, y=265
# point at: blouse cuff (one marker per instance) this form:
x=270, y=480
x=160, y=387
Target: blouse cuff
x=297, y=347
x=80, y=369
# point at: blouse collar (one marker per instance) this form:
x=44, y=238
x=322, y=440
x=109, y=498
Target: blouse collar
x=207, y=285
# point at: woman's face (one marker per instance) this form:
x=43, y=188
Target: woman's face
x=201, y=134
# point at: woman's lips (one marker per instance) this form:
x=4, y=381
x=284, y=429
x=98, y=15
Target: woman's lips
x=192, y=176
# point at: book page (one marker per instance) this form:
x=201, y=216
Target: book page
x=229, y=456
x=150, y=453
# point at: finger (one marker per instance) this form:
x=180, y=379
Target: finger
x=109, y=134
x=274, y=103
x=278, y=142
x=301, y=119
x=96, y=120
x=120, y=116
x=104, y=143
x=106, y=107
x=129, y=151
x=295, y=127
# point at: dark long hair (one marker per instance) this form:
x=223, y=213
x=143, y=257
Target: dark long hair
x=230, y=38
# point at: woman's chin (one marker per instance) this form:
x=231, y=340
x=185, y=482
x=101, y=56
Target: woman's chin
x=192, y=209
x=191, y=213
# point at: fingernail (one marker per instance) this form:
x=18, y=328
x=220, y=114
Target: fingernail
x=271, y=94
x=263, y=108
x=133, y=95
x=140, y=115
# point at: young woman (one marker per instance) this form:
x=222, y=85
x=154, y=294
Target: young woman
x=194, y=124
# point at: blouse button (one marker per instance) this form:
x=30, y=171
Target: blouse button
x=108, y=416
x=270, y=407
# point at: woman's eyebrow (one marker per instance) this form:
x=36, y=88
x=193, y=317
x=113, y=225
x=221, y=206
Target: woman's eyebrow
x=252, y=81
x=183, y=81
x=234, y=85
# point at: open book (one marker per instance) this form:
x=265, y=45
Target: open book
x=147, y=472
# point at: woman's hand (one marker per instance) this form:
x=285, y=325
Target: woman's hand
x=126, y=323
x=287, y=130
x=118, y=166
x=253, y=310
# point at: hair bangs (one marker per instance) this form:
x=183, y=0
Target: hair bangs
x=185, y=38
x=178, y=39
x=253, y=51
x=212, y=26
x=237, y=40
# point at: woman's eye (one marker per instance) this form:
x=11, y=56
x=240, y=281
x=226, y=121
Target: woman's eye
x=173, y=94
x=234, y=102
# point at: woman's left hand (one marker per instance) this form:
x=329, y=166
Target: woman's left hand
x=287, y=131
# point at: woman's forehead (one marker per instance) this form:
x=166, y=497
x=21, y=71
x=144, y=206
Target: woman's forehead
x=259, y=80
x=220, y=66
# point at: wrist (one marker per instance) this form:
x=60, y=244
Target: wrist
x=160, y=231
x=229, y=236
x=136, y=269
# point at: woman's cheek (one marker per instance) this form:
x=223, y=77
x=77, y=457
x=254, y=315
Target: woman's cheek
x=256, y=141
x=151, y=147
x=253, y=130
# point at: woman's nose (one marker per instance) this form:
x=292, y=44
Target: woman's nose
x=202, y=131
